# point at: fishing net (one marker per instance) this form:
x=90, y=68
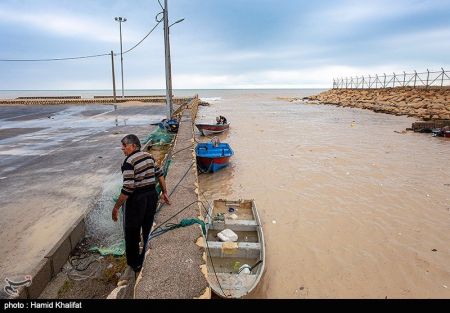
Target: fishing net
x=107, y=235
x=159, y=137
x=117, y=249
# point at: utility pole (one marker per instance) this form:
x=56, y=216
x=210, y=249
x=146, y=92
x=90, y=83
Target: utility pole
x=113, y=77
x=168, y=65
x=121, y=20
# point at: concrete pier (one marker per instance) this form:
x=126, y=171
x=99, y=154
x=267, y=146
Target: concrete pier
x=174, y=262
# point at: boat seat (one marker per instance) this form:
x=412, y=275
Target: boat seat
x=244, y=250
x=235, y=225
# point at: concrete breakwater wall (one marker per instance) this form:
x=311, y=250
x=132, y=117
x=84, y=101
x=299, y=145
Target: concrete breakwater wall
x=426, y=104
x=95, y=100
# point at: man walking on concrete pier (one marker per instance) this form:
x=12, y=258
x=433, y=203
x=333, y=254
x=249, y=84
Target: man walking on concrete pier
x=138, y=198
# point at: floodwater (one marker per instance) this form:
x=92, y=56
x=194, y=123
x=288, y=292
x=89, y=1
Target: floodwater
x=351, y=206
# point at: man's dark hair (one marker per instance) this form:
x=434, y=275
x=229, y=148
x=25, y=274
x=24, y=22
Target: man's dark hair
x=132, y=139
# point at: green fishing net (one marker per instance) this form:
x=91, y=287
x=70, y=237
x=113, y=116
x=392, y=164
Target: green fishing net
x=159, y=137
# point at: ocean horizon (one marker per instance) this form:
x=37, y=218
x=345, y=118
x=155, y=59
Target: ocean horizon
x=11, y=94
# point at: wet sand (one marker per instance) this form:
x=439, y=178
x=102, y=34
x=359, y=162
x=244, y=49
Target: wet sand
x=350, y=207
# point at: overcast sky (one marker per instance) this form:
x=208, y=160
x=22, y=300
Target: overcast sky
x=221, y=43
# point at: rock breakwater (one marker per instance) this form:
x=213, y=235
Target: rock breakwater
x=426, y=104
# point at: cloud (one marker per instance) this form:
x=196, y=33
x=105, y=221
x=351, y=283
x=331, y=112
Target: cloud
x=305, y=77
x=436, y=37
x=66, y=25
x=352, y=11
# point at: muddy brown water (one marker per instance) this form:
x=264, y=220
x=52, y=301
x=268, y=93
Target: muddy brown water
x=351, y=207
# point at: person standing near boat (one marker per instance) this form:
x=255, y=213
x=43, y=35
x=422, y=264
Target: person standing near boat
x=138, y=198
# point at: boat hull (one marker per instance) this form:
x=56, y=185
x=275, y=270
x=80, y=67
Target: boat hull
x=234, y=269
x=211, y=158
x=212, y=165
x=212, y=128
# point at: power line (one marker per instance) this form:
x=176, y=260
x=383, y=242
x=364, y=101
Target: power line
x=54, y=59
x=160, y=4
x=81, y=57
x=143, y=38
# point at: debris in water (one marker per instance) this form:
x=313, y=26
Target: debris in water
x=434, y=250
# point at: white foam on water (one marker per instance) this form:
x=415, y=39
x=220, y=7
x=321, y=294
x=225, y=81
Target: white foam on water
x=211, y=99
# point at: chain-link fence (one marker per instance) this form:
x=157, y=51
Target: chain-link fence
x=416, y=80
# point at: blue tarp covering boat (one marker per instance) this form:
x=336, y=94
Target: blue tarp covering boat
x=213, y=157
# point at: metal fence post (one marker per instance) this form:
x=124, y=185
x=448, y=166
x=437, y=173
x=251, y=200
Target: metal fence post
x=376, y=81
x=346, y=83
x=443, y=73
x=404, y=78
x=415, y=78
x=393, y=83
x=370, y=79
x=357, y=82
x=384, y=83
x=428, y=79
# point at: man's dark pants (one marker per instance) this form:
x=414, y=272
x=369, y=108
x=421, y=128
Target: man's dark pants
x=139, y=213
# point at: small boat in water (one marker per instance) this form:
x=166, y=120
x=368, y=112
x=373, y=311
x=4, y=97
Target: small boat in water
x=235, y=266
x=212, y=128
x=212, y=157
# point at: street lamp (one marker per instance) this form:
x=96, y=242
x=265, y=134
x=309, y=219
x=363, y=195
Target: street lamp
x=121, y=20
x=179, y=21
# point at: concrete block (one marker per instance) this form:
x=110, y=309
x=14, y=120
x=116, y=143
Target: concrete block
x=78, y=232
x=42, y=275
x=59, y=255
